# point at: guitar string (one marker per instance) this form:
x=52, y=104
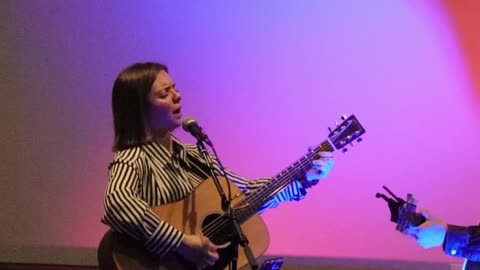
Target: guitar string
x=281, y=181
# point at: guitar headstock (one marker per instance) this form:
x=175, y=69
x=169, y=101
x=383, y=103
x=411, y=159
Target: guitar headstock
x=402, y=212
x=345, y=133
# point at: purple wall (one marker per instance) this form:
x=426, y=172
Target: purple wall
x=265, y=80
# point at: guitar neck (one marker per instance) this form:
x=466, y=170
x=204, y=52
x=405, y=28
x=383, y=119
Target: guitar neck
x=295, y=171
x=345, y=133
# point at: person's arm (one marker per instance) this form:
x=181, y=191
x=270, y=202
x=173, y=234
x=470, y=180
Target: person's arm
x=462, y=242
x=457, y=241
x=127, y=213
x=293, y=192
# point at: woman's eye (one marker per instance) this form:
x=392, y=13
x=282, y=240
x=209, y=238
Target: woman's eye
x=165, y=92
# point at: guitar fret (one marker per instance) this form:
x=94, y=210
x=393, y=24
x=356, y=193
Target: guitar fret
x=281, y=180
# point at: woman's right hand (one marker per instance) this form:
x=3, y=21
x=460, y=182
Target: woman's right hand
x=199, y=250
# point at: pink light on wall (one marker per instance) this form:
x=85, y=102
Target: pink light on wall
x=265, y=82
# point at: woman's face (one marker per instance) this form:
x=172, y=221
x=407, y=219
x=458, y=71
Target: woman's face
x=164, y=108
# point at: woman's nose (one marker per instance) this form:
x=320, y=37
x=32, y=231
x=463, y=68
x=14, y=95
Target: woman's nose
x=178, y=97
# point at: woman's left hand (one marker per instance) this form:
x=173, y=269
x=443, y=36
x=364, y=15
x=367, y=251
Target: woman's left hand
x=321, y=168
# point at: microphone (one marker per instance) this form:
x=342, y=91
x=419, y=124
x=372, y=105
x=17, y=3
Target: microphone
x=190, y=125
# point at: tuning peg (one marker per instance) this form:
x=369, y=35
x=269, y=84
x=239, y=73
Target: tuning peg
x=330, y=129
x=359, y=139
x=344, y=150
x=336, y=123
x=344, y=117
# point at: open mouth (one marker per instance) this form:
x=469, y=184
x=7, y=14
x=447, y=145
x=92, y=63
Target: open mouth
x=177, y=111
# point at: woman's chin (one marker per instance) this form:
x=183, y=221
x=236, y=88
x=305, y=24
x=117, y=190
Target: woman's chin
x=177, y=123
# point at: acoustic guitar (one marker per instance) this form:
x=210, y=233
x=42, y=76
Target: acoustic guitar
x=200, y=213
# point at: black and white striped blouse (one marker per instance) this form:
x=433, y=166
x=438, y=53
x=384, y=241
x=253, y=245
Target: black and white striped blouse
x=150, y=175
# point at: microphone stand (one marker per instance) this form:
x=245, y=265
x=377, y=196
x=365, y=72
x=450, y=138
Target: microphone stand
x=239, y=238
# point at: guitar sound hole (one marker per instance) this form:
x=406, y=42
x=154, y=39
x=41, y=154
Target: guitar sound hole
x=218, y=229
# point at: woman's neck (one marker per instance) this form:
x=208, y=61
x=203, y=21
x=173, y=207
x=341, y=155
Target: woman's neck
x=163, y=137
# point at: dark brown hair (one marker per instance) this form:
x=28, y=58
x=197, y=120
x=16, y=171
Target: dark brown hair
x=129, y=104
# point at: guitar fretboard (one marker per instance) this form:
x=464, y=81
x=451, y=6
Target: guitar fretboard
x=255, y=200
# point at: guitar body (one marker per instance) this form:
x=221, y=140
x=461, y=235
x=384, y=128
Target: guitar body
x=191, y=216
